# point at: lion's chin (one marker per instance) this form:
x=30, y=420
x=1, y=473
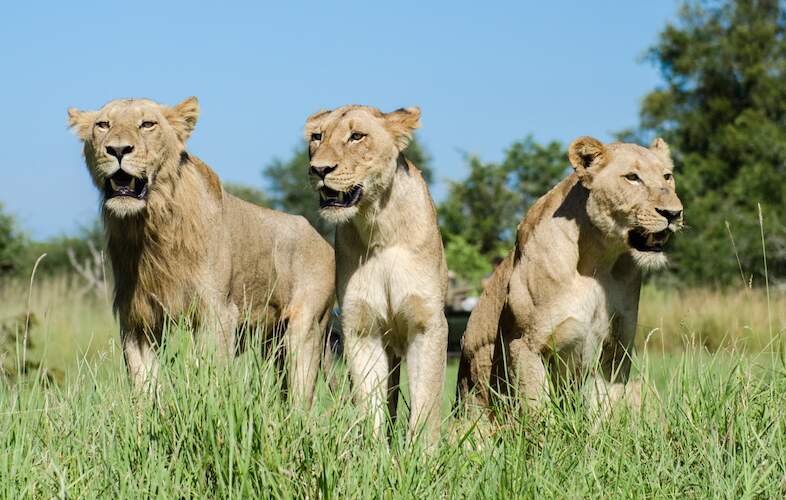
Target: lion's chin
x=338, y=215
x=649, y=261
x=124, y=206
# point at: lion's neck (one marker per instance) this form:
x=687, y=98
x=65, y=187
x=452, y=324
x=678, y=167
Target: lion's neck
x=160, y=250
x=568, y=210
x=404, y=214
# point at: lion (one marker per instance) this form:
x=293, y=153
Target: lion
x=566, y=298
x=391, y=276
x=178, y=243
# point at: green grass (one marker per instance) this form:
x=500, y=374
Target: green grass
x=713, y=425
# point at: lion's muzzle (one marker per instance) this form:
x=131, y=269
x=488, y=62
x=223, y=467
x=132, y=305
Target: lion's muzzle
x=121, y=183
x=340, y=199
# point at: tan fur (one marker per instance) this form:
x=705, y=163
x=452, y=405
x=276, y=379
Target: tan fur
x=567, y=296
x=391, y=275
x=191, y=246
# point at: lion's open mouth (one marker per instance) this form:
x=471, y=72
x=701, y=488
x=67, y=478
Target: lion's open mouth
x=121, y=183
x=648, y=242
x=341, y=199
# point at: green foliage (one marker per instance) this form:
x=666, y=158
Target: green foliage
x=485, y=208
x=12, y=244
x=722, y=108
x=482, y=208
x=536, y=167
x=289, y=190
x=466, y=260
x=247, y=193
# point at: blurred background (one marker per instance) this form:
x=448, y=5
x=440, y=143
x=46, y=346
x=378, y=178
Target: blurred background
x=503, y=89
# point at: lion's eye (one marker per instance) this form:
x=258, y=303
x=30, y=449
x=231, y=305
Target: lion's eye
x=147, y=125
x=356, y=136
x=668, y=176
x=102, y=125
x=316, y=137
x=633, y=177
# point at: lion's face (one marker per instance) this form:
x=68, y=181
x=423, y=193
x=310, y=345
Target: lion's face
x=632, y=196
x=353, y=152
x=127, y=143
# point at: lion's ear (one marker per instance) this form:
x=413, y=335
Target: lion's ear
x=662, y=150
x=312, y=120
x=401, y=123
x=585, y=152
x=183, y=117
x=81, y=121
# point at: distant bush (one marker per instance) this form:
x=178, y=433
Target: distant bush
x=12, y=244
x=466, y=261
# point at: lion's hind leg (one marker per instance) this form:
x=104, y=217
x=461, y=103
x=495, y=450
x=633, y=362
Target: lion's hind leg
x=303, y=344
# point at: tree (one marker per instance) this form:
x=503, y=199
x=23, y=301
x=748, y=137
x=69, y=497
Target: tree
x=464, y=259
x=290, y=191
x=722, y=108
x=536, y=168
x=12, y=244
x=481, y=209
x=485, y=209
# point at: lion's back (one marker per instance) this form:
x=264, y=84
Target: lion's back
x=280, y=251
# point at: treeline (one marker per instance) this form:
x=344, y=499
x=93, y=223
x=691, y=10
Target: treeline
x=721, y=106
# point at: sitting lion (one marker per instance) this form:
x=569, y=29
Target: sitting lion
x=390, y=269
x=567, y=296
x=179, y=242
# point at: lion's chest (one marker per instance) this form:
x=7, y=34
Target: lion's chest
x=389, y=292
x=579, y=321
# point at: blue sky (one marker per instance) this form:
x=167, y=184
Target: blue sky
x=484, y=73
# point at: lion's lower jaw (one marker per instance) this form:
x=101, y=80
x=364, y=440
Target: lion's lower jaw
x=649, y=261
x=125, y=206
x=336, y=215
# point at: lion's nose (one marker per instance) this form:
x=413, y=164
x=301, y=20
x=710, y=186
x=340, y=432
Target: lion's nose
x=119, y=151
x=321, y=172
x=669, y=215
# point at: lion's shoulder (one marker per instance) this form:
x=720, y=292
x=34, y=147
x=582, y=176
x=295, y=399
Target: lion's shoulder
x=545, y=208
x=208, y=175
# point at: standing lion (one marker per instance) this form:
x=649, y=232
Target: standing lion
x=390, y=269
x=567, y=296
x=178, y=242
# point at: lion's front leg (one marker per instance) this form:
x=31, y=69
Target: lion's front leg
x=426, y=359
x=369, y=369
x=139, y=351
x=217, y=330
x=608, y=385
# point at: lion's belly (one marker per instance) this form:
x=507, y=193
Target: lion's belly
x=580, y=324
x=389, y=294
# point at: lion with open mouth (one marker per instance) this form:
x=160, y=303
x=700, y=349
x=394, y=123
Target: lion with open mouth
x=564, y=303
x=391, y=277
x=182, y=246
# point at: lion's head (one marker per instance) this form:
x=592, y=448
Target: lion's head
x=354, y=151
x=128, y=144
x=632, y=198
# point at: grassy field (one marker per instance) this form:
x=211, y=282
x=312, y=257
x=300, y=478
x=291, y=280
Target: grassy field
x=713, y=422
